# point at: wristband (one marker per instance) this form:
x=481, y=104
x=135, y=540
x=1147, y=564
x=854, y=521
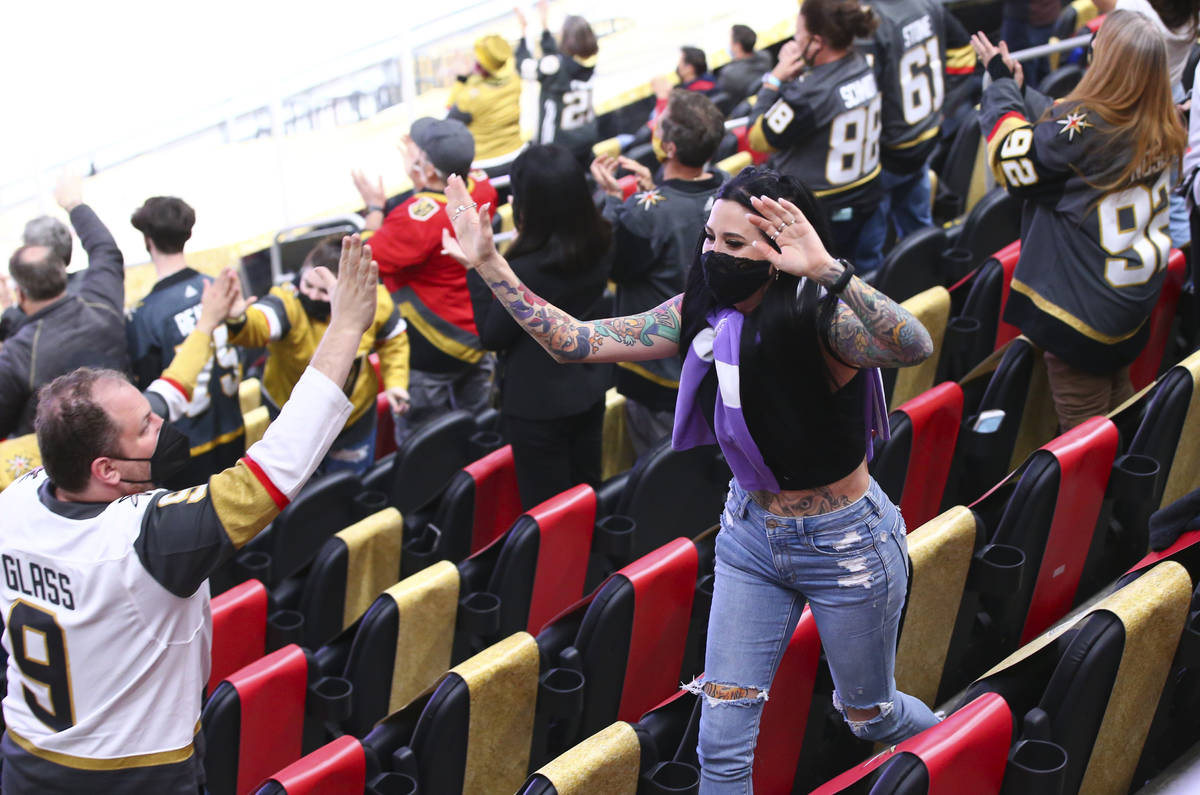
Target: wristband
x=374, y=208
x=771, y=81
x=842, y=280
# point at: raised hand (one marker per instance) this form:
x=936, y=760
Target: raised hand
x=68, y=191
x=472, y=242
x=801, y=252
x=791, y=61
x=543, y=8
x=604, y=171
x=354, y=297
x=218, y=299
x=520, y=15
x=645, y=179
x=372, y=193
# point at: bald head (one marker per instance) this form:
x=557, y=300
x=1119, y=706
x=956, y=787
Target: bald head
x=39, y=271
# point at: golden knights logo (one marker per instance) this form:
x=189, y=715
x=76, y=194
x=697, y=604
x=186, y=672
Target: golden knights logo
x=649, y=198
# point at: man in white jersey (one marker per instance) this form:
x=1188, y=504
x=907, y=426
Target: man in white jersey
x=104, y=597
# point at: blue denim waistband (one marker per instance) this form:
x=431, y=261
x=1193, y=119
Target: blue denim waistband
x=741, y=505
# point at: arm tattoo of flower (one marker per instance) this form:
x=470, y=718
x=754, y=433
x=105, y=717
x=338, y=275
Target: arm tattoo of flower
x=568, y=339
x=872, y=330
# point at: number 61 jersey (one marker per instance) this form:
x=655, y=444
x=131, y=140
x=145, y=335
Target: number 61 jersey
x=1092, y=261
x=824, y=128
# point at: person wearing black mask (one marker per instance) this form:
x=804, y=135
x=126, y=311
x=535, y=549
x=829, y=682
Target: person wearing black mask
x=290, y=322
x=782, y=374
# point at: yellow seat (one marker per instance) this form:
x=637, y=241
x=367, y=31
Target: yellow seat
x=734, y=164
x=932, y=308
x=616, y=447
x=256, y=424
x=249, y=395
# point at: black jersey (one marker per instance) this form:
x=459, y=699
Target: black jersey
x=213, y=419
x=565, y=112
x=910, y=63
x=1092, y=261
x=824, y=129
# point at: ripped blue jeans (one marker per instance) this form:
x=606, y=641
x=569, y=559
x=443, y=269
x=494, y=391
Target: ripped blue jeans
x=851, y=565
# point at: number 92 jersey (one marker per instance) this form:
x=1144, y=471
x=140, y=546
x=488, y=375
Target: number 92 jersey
x=1092, y=261
x=824, y=129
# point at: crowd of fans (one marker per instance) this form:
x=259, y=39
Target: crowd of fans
x=848, y=114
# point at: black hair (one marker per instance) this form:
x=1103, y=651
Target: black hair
x=553, y=210
x=788, y=335
x=745, y=37
x=838, y=22
x=73, y=428
x=1176, y=13
x=695, y=58
x=694, y=124
x=167, y=221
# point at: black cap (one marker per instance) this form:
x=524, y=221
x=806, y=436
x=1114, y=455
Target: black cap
x=446, y=142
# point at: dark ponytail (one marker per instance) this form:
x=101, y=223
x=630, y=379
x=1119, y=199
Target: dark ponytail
x=839, y=22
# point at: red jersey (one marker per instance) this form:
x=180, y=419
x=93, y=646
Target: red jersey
x=408, y=249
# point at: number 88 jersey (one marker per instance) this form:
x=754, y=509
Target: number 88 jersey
x=824, y=129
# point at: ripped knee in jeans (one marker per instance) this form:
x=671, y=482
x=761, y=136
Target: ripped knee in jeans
x=726, y=694
x=864, y=722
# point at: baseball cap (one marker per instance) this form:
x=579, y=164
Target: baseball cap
x=446, y=142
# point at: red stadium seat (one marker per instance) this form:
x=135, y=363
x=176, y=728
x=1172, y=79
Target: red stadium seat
x=265, y=716
x=527, y=576
x=338, y=767
x=784, y=718
x=966, y=752
x=913, y=466
x=239, y=629
x=743, y=145
x=1145, y=368
x=385, y=427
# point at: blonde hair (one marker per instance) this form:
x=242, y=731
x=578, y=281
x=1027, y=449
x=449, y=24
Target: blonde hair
x=1128, y=86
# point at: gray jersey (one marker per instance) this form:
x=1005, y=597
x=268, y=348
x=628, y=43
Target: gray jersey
x=824, y=129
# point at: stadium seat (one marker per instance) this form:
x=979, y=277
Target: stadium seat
x=913, y=466
x=628, y=641
x=479, y=503
x=1090, y=687
x=1039, y=525
x=256, y=421
x=979, y=329
x=609, y=761
x=323, y=507
x=734, y=164
x=341, y=766
x=668, y=493
x=425, y=462
x=18, y=455
x=616, y=449
x=963, y=178
x=1013, y=381
x=782, y=731
x=266, y=716
x=967, y=752
x=473, y=733
x=249, y=395
x=1147, y=366
x=1075, y=16
x=349, y=571
x=1061, y=81
x=385, y=427
x=993, y=223
x=913, y=265
x=244, y=628
x=932, y=308
x=442, y=615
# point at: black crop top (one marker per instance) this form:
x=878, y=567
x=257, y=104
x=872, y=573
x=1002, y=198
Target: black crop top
x=802, y=452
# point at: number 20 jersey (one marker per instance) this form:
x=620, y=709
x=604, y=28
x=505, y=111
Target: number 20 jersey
x=1092, y=261
x=824, y=130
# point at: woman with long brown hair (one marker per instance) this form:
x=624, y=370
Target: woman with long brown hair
x=1094, y=171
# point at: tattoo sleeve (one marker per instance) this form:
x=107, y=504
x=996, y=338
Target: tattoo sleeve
x=649, y=335
x=872, y=330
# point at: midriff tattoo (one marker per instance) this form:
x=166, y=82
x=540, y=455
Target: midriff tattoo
x=819, y=500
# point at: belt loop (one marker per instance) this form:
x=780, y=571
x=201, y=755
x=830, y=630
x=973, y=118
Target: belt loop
x=744, y=506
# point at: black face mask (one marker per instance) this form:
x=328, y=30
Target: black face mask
x=171, y=454
x=317, y=310
x=732, y=279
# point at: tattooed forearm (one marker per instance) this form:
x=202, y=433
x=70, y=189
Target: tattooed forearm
x=872, y=330
x=808, y=502
x=642, y=336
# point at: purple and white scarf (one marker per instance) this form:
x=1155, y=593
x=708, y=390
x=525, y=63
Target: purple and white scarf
x=719, y=344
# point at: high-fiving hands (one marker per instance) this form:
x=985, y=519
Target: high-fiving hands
x=355, y=289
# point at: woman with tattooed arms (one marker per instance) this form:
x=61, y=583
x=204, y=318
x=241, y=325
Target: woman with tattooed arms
x=804, y=520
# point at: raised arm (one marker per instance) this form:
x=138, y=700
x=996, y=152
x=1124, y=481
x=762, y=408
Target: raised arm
x=869, y=329
x=648, y=335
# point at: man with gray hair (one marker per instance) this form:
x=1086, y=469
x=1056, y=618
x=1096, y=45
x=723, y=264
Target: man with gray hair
x=449, y=368
x=61, y=332
x=45, y=231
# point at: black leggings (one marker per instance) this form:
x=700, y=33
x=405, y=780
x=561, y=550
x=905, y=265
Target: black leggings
x=553, y=455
